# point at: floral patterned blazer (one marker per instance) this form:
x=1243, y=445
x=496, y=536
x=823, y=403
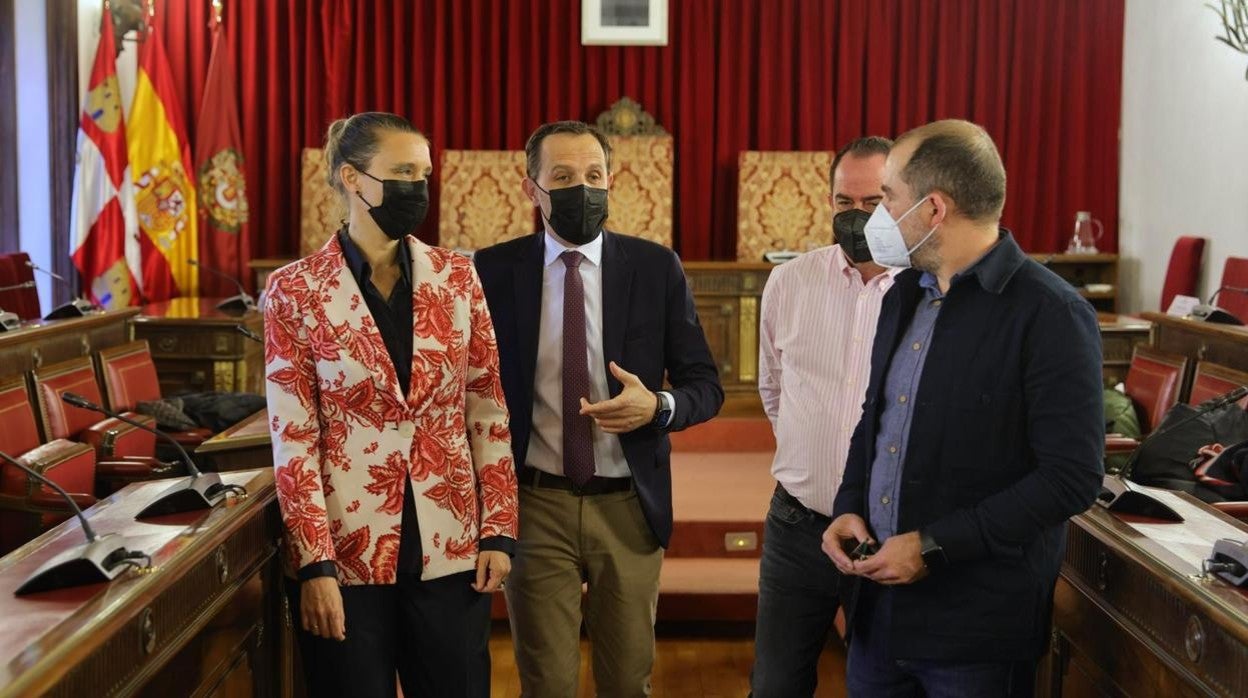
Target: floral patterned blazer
x=345, y=439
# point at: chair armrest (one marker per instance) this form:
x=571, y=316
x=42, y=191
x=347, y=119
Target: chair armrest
x=44, y=503
x=1237, y=509
x=1120, y=444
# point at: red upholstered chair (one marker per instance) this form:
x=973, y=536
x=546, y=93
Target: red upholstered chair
x=1212, y=380
x=1184, y=271
x=28, y=508
x=114, y=441
x=1153, y=384
x=22, y=301
x=1235, y=273
x=129, y=377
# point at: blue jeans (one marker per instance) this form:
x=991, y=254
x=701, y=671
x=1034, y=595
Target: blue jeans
x=873, y=674
x=798, y=596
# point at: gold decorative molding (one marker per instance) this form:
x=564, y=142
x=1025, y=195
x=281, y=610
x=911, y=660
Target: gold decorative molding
x=627, y=118
x=748, y=339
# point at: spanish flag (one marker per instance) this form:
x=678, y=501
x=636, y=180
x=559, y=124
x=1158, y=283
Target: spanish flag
x=164, y=181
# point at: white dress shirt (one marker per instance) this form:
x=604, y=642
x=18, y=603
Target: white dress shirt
x=818, y=323
x=546, y=444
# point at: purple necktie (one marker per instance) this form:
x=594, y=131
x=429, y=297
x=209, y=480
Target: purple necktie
x=578, y=439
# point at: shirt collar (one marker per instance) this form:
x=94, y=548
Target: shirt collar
x=359, y=266
x=592, y=250
x=846, y=269
x=993, y=269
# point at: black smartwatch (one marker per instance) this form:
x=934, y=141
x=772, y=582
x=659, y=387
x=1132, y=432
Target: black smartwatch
x=662, y=411
x=933, y=555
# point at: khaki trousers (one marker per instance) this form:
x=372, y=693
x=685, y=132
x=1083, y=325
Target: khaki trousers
x=566, y=540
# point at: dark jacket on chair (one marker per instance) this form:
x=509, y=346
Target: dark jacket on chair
x=1005, y=444
x=650, y=328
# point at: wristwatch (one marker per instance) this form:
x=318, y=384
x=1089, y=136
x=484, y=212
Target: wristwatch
x=662, y=410
x=933, y=555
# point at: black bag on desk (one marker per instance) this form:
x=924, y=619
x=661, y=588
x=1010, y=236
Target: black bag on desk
x=220, y=411
x=1165, y=461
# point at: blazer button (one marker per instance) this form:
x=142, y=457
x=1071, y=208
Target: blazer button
x=407, y=430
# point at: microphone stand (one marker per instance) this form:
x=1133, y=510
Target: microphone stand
x=200, y=491
x=249, y=334
x=240, y=303
x=75, y=308
x=100, y=559
x=1118, y=494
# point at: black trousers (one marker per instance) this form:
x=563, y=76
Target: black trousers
x=434, y=634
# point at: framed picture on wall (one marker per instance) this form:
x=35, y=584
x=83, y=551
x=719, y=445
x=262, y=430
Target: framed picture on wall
x=624, y=22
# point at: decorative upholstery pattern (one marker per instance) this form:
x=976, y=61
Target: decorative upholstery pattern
x=321, y=210
x=1212, y=380
x=112, y=438
x=782, y=202
x=1183, y=272
x=640, y=202
x=129, y=375
x=1153, y=383
x=1235, y=273
x=481, y=202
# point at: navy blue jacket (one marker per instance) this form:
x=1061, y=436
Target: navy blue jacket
x=1006, y=444
x=649, y=328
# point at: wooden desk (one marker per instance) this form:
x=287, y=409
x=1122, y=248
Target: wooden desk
x=1120, y=335
x=208, y=620
x=1130, y=618
x=1082, y=269
x=727, y=296
x=247, y=444
x=196, y=348
x=1200, y=341
x=45, y=342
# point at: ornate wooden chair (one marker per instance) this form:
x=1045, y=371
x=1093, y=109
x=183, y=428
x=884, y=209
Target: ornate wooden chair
x=643, y=162
x=782, y=202
x=480, y=200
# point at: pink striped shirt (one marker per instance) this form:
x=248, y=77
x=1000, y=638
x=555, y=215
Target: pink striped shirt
x=818, y=321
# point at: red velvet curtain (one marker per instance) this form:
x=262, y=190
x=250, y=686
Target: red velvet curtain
x=1043, y=77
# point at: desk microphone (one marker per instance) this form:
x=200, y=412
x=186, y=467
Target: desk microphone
x=248, y=334
x=240, y=303
x=78, y=307
x=100, y=559
x=1117, y=494
x=200, y=491
x=1209, y=312
x=8, y=320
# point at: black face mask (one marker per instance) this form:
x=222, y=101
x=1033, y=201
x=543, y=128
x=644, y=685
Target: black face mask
x=403, y=206
x=577, y=213
x=850, y=227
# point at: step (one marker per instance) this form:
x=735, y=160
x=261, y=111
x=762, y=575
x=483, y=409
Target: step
x=731, y=434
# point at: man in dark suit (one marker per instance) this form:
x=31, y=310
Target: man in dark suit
x=982, y=433
x=588, y=324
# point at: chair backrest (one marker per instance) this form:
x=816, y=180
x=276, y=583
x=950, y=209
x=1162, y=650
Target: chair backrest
x=1153, y=384
x=321, y=210
x=1235, y=273
x=20, y=431
x=480, y=201
x=640, y=202
x=782, y=202
x=1212, y=380
x=1183, y=273
x=22, y=301
x=58, y=420
x=129, y=375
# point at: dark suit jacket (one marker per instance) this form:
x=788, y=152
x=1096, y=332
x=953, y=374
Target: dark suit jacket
x=1006, y=443
x=650, y=328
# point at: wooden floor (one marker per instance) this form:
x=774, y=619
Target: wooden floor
x=689, y=665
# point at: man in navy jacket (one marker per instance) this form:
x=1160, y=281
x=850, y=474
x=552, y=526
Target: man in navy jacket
x=982, y=433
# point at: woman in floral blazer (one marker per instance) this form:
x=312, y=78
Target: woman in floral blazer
x=390, y=439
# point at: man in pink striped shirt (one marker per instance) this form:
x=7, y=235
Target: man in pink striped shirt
x=818, y=322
